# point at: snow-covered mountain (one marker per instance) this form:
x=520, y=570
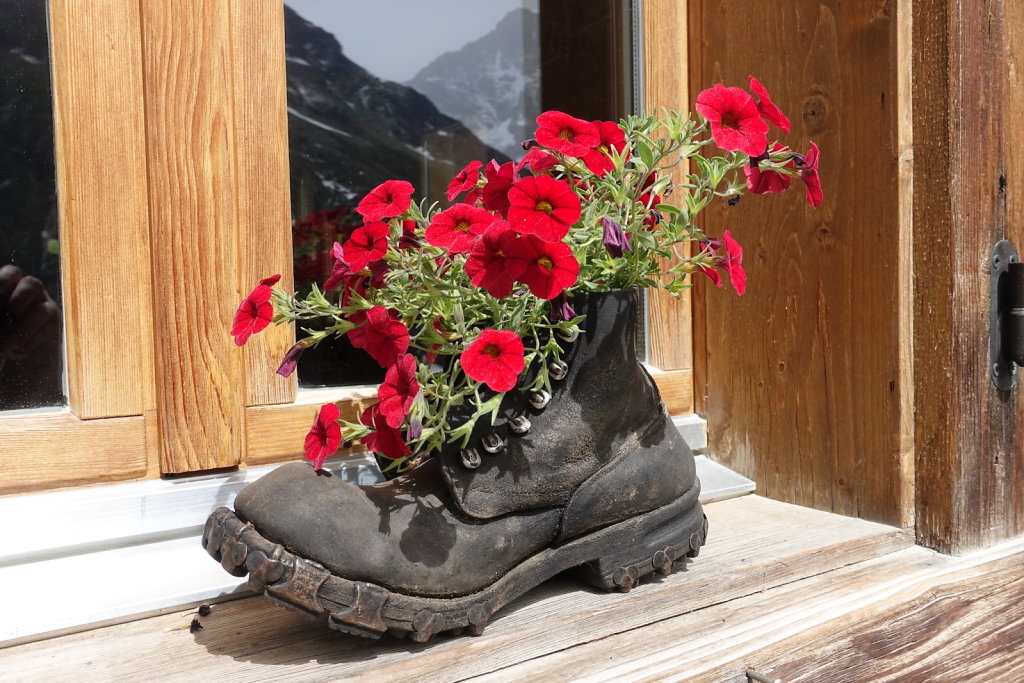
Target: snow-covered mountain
x=350, y=131
x=492, y=85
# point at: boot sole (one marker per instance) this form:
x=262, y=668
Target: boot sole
x=612, y=558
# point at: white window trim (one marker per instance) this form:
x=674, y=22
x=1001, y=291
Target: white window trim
x=94, y=556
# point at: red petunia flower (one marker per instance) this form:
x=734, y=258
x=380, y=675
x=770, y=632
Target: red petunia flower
x=409, y=240
x=255, y=312
x=548, y=267
x=379, y=334
x=324, y=436
x=809, y=174
x=732, y=263
x=736, y=124
x=495, y=358
x=366, y=245
x=464, y=179
x=390, y=198
x=499, y=179
x=771, y=113
x=539, y=160
x=399, y=390
x=566, y=134
x=490, y=264
x=543, y=206
x=767, y=181
x=385, y=439
x=458, y=227
x=611, y=137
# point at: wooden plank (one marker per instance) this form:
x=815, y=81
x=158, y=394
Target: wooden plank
x=276, y=433
x=104, y=233
x=669, y=323
x=886, y=617
x=808, y=384
x=260, y=112
x=200, y=383
x=676, y=389
x=958, y=625
x=970, y=473
x=58, y=450
x=250, y=639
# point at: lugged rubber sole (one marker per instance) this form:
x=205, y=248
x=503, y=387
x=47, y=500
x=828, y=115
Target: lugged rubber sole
x=615, y=557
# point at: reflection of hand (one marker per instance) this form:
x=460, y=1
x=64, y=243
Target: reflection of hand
x=29, y=318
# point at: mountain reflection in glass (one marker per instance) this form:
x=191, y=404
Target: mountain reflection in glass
x=414, y=91
x=31, y=345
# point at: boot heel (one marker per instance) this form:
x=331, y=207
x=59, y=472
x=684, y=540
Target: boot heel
x=658, y=542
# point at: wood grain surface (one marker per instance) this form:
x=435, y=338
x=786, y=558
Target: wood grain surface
x=104, y=221
x=808, y=393
x=260, y=144
x=666, y=84
x=968, y=189
x=58, y=450
x=193, y=200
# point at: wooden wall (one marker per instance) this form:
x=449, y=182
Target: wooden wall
x=807, y=389
x=969, y=193
x=854, y=375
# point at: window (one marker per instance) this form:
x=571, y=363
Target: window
x=173, y=187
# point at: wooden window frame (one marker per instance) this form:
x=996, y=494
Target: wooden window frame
x=181, y=116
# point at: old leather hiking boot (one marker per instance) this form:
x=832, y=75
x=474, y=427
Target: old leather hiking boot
x=593, y=477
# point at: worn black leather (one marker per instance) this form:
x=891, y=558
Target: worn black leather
x=602, y=451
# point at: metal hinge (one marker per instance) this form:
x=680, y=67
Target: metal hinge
x=1006, y=315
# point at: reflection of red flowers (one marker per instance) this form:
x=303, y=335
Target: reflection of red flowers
x=385, y=439
x=771, y=113
x=458, y=227
x=388, y=199
x=548, y=267
x=490, y=264
x=399, y=390
x=611, y=137
x=566, y=134
x=464, y=179
x=255, y=312
x=379, y=334
x=367, y=244
x=499, y=179
x=809, y=174
x=767, y=181
x=543, y=206
x=736, y=124
x=324, y=436
x=732, y=263
x=494, y=358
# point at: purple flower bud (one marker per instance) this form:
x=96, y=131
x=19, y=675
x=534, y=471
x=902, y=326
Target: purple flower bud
x=560, y=308
x=415, y=429
x=291, y=359
x=615, y=240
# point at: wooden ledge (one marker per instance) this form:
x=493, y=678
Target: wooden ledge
x=755, y=544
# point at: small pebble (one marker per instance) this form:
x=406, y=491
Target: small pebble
x=204, y=610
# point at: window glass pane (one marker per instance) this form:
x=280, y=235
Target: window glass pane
x=414, y=91
x=31, y=354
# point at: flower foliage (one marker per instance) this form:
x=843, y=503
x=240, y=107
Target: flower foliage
x=461, y=303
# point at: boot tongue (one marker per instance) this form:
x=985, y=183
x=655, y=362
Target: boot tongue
x=600, y=407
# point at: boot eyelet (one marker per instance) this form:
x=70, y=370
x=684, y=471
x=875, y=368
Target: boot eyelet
x=470, y=458
x=557, y=369
x=493, y=443
x=519, y=424
x=569, y=336
x=540, y=399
